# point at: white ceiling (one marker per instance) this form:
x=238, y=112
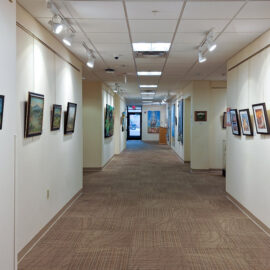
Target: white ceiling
x=109, y=28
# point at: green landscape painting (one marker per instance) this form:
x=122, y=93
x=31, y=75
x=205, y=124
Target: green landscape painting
x=2, y=98
x=56, y=117
x=35, y=110
x=71, y=117
x=109, y=121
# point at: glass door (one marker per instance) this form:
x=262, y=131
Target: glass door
x=134, y=126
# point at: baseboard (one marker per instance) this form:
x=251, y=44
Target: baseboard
x=97, y=169
x=255, y=220
x=38, y=236
x=208, y=171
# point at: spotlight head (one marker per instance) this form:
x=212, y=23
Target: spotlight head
x=90, y=63
x=57, y=24
x=210, y=42
x=201, y=57
x=67, y=41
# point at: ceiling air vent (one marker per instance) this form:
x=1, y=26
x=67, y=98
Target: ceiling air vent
x=150, y=54
x=109, y=70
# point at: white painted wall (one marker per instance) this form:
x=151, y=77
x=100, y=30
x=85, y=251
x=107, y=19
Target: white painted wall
x=108, y=148
x=52, y=161
x=206, y=138
x=145, y=108
x=7, y=88
x=247, y=163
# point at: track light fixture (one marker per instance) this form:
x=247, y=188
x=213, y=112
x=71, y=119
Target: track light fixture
x=57, y=24
x=211, y=44
x=90, y=57
x=67, y=39
x=201, y=56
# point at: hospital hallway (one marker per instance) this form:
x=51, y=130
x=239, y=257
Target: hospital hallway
x=147, y=211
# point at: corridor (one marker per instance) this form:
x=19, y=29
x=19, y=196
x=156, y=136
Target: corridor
x=146, y=211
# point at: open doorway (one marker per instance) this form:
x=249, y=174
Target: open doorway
x=187, y=127
x=134, y=121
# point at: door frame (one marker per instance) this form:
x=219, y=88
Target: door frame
x=128, y=122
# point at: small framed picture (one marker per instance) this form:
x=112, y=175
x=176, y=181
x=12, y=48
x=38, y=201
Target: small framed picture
x=246, y=124
x=261, y=118
x=235, y=122
x=70, y=118
x=34, y=115
x=228, y=117
x=200, y=116
x=56, y=117
x=2, y=101
x=224, y=120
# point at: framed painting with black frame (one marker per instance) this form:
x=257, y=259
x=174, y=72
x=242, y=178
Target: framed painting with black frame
x=56, y=117
x=235, y=122
x=261, y=118
x=2, y=101
x=246, y=124
x=70, y=118
x=200, y=116
x=34, y=115
x=224, y=120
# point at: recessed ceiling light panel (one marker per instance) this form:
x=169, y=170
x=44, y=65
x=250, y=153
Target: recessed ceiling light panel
x=149, y=73
x=151, y=47
x=148, y=86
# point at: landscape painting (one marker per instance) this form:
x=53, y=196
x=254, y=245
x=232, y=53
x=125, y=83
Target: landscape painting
x=70, y=118
x=2, y=99
x=261, y=118
x=246, y=122
x=181, y=122
x=153, y=121
x=109, y=121
x=200, y=116
x=56, y=117
x=34, y=115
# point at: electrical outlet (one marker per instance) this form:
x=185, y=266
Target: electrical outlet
x=48, y=194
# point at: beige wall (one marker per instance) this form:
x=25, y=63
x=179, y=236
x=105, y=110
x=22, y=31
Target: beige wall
x=97, y=149
x=7, y=133
x=206, y=138
x=248, y=157
x=53, y=161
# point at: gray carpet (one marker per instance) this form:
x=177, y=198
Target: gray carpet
x=145, y=211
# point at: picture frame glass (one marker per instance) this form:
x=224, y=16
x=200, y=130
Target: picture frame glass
x=71, y=118
x=35, y=111
x=260, y=118
x=109, y=121
x=153, y=121
x=245, y=122
x=56, y=117
x=234, y=122
x=200, y=116
x=2, y=100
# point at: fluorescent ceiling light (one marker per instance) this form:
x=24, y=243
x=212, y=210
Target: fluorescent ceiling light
x=148, y=86
x=147, y=97
x=147, y=101
x=149, y=73
x=151, y=47
x=148, y=93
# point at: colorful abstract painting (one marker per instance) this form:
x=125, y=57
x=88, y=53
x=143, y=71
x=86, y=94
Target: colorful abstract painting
x=246, y=122
x=34, y=115
x=70, y=118
x=235, y=122
x=109, y=121
x=180, y=121
x=2, y=99
x=153, y=121
x=261, y=118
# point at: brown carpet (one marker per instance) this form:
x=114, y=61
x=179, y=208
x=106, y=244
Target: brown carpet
x=145, y=211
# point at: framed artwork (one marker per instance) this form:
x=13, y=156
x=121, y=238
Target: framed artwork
x=228, y=124
x=56, y=117
x=261, y=118
x=181, y=122
x=173, y=119
x=34, y=115
x=224, y=120
x=153, y=121
x=245, y=120
x=109, y=121
x=70, y=117
x=169, y=126
x=123, y=121
x=200, y=116
x=235, y=122
x=2, y=101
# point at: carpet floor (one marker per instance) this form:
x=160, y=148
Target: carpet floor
x=146, y=211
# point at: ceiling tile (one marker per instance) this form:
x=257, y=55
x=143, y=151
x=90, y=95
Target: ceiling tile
x=201, y=26
x=109, y=38
x=152, y=26
x=154, y=9
x=249, y=26
x=255, y=10
x=96, y=9
x=211, y=9
x=194, y=39
x=152, y=37
x=103, y=26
